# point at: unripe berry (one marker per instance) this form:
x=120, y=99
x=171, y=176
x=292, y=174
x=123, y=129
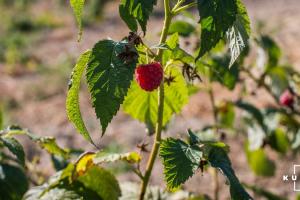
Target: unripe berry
x=286, y=98
x=149, y=76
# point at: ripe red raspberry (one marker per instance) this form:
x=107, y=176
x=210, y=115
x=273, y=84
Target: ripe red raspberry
x=286, y=98
x=149, y=76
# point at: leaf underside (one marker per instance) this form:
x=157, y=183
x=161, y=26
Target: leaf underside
x=72, y=102
x=239, y=33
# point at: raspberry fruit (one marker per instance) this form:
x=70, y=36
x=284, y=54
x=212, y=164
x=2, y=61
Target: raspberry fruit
x=286, y=98
x=149, y=76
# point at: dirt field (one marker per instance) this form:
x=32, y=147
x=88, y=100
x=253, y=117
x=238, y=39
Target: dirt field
x=37, y=100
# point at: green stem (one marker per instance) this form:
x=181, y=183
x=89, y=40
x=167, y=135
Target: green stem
x=158, y=130
x=178, y=10
x=216, y=187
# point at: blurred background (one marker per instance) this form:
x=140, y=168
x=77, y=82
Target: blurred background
x=38, y=49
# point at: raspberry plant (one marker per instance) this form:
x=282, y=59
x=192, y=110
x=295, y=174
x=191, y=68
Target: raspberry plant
x=110, y=67
x=152, y=84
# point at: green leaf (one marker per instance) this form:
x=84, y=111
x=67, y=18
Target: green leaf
x=280, y=80
x=253, y=111
x=279, y=141
x=142, y=105
x=136, y=11
x=95, y=183
x=15, y=147
x=216, y=17
x=264, y=193
x=272, y=49
x=49, y=144
x=77, y=6
x=180, y=161
x=226, y=114
x=182, y=27
x=72, y=102
x=102, y=182
x=239, y=33
x=75, y=191
x=109, y=77
x=221, y=73
x=175, y=53
x=259, y=162
x=13, y=182
x=104, y=157
x=218, y=158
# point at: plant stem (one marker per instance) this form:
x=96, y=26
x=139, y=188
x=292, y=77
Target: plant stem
x=215, y=114
x=216, y=183
x=158, y=130
x=213, y=104
x=178, y=10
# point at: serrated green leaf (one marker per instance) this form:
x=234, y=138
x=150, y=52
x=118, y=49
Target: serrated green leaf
x=182, y=27
x=13, y=182
x=216, y=17
x=77, y=6
x=239, y=33
x=260, y=164
x=180, y=161
x=218, y=158
x=72, y=101
x=109, y=77
x=133, y=11
x=104, y=157
x=14, y=147
x=102, y=182
x=142, y=105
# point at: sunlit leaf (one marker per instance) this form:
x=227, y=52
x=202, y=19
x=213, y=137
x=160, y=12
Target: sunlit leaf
x=72, y=102
x=104, y=157
x=143, y=106
x=239, y=33
x=260, y=164
x=77, y=6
